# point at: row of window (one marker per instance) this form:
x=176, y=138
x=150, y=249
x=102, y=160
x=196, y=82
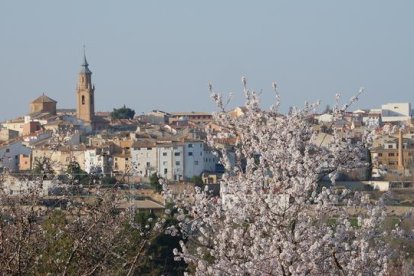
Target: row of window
x=394, y=146
x=179, y=153
x=391, y=154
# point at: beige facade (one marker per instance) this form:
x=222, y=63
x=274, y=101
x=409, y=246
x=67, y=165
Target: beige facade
x=85, y=95
x=122, y=163
x=195, y=117
x=16, y=125
x=8, y=134
x=61, y=158
x=394, y=154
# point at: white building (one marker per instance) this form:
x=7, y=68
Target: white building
x=144, y=159
x=171, y=161
x=174, y=161
x=97, y=161
x=9, y=155
x=396, y=112
x=372, y=118
x=198, y=159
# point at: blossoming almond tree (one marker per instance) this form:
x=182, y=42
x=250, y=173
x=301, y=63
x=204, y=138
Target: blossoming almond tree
x=272, y=217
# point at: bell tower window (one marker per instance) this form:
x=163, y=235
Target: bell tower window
x=83, y=99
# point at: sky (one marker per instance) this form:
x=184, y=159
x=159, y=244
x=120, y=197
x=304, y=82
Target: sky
x=162, y=54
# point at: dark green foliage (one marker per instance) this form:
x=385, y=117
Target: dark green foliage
x=76, y=174
x=122, y=113
x=155, y=183
x=160, y=258
x=108, y=180
x=197, y=180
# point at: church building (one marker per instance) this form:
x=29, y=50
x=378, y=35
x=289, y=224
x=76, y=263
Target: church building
x=43, y=104
x=85, y=109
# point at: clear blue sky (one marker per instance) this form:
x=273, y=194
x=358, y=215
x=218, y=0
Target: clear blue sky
x=162, y=54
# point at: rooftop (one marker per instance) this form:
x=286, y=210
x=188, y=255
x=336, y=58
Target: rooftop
x=44, y=99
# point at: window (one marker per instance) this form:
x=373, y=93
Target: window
x=83, y=99
x=149, y=148
x=176, y=154
x=201, y=153
x=390, y=146
x=190, y=145
x=148, y=164
x=7, y=150
x=379, y=154
x=391, y=154
x=190, y=154
x=177, y=163
x=164, y=154
x=165, y=171
x=164, y=163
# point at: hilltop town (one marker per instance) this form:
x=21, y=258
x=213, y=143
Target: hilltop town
x=173, y=145
x=94, y=167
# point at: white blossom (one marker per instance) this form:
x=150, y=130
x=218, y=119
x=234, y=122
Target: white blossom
x=271, y=217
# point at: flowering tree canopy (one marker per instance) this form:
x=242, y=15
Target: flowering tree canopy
x=272, y=217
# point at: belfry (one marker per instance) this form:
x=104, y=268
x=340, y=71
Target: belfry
x=85, y=90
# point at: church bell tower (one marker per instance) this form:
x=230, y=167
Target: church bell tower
x=85, y=94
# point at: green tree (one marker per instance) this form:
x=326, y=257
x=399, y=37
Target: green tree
x=122, y=113
x=43, y=167
x=155, y=182
x=76, y=174
x=197, y=180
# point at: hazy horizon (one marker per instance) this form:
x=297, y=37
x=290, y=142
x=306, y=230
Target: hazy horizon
x=162, y=54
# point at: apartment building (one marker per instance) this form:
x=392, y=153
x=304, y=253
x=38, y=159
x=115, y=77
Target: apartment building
x=393, y=154
x=172, y=160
